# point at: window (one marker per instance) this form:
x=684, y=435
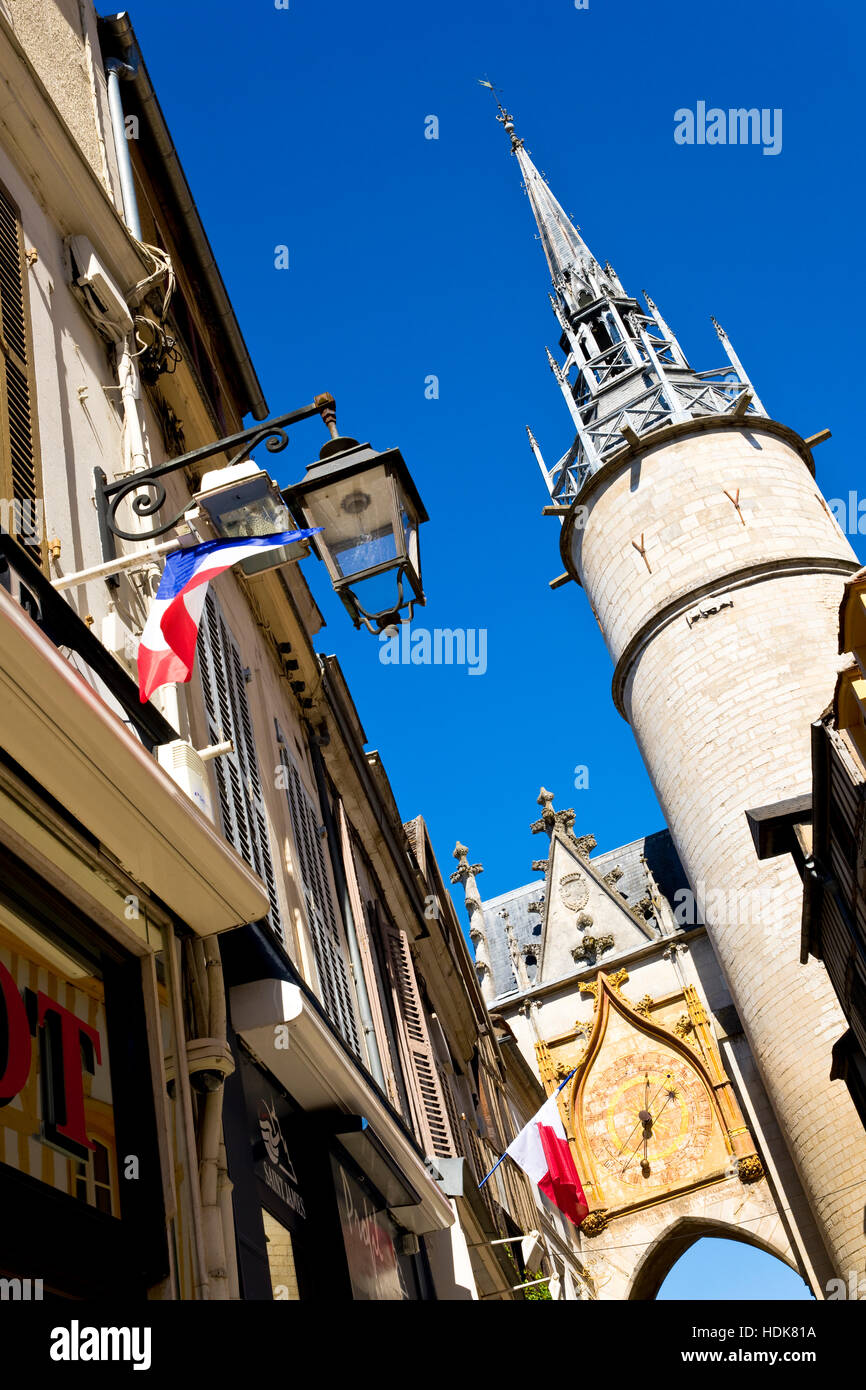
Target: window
x=20, y=483
x=242, y=809
x=93, y=1180
x=281, y=1260
x=419, y=1061
x=328, y=947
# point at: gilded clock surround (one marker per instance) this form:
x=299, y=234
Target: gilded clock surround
x=692, y=1134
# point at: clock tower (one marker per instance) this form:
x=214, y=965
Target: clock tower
x=692, y=521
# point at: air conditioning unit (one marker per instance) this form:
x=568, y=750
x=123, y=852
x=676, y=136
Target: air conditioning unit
x=94, y=287
x=186, y=767
x=117, y=639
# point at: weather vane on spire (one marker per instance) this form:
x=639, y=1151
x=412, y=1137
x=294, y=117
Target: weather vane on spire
x=506, y=119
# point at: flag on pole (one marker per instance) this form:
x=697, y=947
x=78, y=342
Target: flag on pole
x=166, y=651
x=543, y=1152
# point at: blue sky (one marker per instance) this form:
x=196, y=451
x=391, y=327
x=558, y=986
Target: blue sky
x=720, y=1269
x=411, y=257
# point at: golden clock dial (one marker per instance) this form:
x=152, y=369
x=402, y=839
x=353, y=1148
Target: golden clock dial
x=648, y=1119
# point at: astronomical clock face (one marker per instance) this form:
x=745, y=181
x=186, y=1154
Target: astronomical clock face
x=647, y=1119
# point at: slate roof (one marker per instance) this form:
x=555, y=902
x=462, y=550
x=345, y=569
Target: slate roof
x=661, y=856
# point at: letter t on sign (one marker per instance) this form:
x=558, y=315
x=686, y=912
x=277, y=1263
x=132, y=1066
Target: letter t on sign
x=68, y=1043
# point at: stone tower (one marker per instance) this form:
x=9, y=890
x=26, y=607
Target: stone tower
x=693, y=522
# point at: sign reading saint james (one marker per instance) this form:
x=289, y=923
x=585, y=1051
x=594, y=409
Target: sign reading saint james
x=277, y=1169
x=56, y=1113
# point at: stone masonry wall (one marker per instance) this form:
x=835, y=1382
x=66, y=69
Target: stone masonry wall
x=721, y=709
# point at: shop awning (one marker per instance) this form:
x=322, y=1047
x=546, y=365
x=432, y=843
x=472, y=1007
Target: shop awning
x=319, y=1074
x=66, y=737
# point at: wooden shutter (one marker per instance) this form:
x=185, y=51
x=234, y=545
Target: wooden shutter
x=328, y=947
x=242, y=808
x=433, y=1118
x=19, y=464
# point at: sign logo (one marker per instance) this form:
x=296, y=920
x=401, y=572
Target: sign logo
x=275, y=1144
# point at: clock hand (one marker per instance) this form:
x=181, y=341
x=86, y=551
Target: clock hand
x=672, y=1095
x=640, y=1113
x=648, y=1120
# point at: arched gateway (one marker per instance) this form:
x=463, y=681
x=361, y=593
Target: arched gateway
x=605, y=975
x=656, y=1262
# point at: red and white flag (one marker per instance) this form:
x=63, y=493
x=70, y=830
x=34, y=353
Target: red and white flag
x=166, y=651
x=543, y=1152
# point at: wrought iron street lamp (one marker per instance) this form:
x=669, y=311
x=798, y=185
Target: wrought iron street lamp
x=369, y=510
x=244, y=501
x=365, y=502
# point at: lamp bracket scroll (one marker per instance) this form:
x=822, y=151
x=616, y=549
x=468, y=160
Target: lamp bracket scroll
x=109, y=495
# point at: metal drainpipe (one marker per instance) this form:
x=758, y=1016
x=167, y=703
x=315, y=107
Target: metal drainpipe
x=127, y=370
x=351, y=934
x=114, y=68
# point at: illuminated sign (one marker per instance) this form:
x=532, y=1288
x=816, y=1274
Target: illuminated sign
x=69, y=1049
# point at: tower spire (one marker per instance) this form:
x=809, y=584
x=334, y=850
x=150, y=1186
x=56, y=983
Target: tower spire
x=625, y=374
x=577, y=276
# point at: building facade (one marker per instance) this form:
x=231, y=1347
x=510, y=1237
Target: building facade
x=827, y=842
x=603, y=971
x=692, y=521
x=222, y=1077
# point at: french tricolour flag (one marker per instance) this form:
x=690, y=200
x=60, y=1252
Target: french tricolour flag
x=166, y=652
x=543, y=1152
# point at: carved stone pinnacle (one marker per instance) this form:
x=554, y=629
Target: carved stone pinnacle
x=464, y=868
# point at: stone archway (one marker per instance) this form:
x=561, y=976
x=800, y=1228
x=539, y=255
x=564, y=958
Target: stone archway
x=673, y=1242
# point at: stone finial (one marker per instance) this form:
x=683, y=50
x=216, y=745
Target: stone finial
x=550, y=818
x=548, y=815
x=464, y=869
x=585, y=843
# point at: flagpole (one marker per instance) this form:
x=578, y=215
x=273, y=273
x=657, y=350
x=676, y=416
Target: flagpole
x=136, y=559
x=505, y=1155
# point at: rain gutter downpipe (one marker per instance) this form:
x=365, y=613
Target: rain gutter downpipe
x=115, y=68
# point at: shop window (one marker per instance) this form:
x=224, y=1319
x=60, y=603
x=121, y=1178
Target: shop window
x=20, y=483
x=93, y=1183
x=327, y=942
x=242, y=809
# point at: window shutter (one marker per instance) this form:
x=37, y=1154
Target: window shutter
x=435, y=1125
x=19, y=467
x=242, y=809
x=328, y=947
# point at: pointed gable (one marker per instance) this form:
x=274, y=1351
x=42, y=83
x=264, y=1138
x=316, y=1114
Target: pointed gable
x=584, y=917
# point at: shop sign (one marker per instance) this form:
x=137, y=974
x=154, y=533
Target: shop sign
x=368, y=1235
x=67, y=1047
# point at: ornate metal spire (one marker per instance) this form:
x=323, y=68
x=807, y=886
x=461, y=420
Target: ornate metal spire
x=625, y=374
x=577, y=276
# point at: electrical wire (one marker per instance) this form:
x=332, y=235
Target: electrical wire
x=633, y=1245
